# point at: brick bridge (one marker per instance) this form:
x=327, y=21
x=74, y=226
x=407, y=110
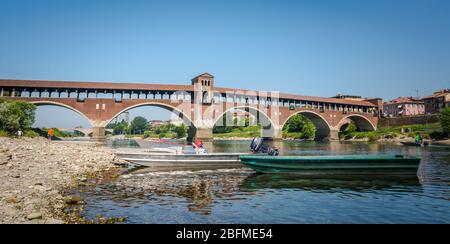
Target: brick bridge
x=201, y=105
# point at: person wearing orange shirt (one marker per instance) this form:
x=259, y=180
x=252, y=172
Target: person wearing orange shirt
x=50, y=134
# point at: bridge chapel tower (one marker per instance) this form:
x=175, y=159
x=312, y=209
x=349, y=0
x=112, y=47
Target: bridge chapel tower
x=203, y=100
x=204, y=88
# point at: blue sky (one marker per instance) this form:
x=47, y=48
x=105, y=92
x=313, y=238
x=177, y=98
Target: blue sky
x=375, y=48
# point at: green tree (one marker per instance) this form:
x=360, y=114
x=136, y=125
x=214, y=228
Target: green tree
x=308, y=131
x=181, y=131
x=9, y=119
x=15, y=115
x=112, y=125
x=444, y=118
x=164, y=129
x=27, y=113
x=120, y=128
x=296, y=123
x=351, y=128
x=138, y=125
x=301, y=125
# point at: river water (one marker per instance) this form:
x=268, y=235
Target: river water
x=240, y=196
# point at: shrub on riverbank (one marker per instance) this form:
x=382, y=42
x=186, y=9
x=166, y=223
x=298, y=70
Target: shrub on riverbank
x=27, y=133
x=370, y=135
x=428, y=131
x=241, y=132
x=31, y=134
x=4, y=133
x=167, y=131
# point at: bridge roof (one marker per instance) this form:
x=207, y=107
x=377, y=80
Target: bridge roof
x=93, y=85
x=155, y=87
x=301, y=97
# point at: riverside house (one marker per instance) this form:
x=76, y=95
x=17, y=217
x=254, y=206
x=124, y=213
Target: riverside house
x=436, y=102
x=404, y=106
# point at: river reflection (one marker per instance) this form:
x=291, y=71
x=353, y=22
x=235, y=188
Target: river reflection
x=355, y=183
x=241, y=196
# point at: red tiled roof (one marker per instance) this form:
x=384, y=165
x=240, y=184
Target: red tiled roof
x=94, y=85
x=404, y=100
x=300, y=97
x=440, y=93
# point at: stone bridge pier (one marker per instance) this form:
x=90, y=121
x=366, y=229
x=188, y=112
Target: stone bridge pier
x=98, y=134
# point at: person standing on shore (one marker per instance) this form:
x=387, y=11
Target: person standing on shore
x=19, y=133
x=50, y=134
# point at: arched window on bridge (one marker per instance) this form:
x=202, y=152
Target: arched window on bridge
x=45, y=94
x=134, y=95
x=126, y=95
x=73, y=94
x=82, y=96
x=63, y=94
x=105, y=95
x=35, y=93
x=54, y=94
x=92, y=94
x=25, y=93
x=142, y=95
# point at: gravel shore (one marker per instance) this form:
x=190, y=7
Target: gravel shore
x=34, y=174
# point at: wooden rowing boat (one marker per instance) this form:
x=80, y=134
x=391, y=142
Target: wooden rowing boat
x=325, y=165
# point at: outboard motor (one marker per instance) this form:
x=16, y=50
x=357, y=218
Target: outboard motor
x=258, y=146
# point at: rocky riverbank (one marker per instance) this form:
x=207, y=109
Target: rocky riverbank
x=35, y=174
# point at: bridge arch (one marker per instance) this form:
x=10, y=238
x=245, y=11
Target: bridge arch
x=53, y=103
x=181, y=114
x=361, y=122
x=323, y=128
x=269, y=128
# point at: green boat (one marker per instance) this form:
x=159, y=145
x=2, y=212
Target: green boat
x=334, y=165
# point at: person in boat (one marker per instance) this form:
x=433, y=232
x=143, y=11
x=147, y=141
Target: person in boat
x=199, y=147
x=417, y=138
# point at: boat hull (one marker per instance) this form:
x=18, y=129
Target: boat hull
x=332, y=165
x=182, y=160
x=415, y=144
